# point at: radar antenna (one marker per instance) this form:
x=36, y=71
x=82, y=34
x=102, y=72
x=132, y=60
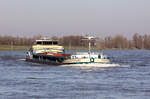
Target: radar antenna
x=89, y=39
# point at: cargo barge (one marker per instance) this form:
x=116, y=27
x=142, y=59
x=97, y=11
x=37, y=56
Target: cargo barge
x=47, y=51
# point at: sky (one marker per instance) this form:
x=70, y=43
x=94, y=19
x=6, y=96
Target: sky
x=74, y=17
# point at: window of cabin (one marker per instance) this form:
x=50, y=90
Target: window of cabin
x=38, y=43
x=49, y=43
x=55, y=43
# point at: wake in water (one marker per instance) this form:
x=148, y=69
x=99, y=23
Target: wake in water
x=23, y=59
x=90, y=65
x=95, y=65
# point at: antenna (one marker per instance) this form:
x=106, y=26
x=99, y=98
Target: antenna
x=11, y=45
x=89, y=38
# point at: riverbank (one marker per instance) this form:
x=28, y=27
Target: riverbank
x=22, y=47
x=8, y=47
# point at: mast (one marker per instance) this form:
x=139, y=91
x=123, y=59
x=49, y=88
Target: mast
x=11, y=45
x=89, y=48
x=89, y=38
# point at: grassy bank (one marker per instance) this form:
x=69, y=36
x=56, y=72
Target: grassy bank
x=8, y=47
x=97, y=48
x=81, y=48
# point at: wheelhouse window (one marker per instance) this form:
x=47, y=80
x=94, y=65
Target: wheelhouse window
x=47, y=42
x=38, y=43
x=55, y=43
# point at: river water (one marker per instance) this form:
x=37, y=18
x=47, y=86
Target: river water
x=25, y=80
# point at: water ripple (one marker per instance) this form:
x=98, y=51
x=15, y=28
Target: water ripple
x=23, y=80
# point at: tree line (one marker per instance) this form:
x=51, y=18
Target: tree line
x=117, y=42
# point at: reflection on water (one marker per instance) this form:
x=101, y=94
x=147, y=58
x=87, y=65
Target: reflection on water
x=23, y=80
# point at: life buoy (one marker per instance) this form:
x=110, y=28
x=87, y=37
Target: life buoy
x=92, y=60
